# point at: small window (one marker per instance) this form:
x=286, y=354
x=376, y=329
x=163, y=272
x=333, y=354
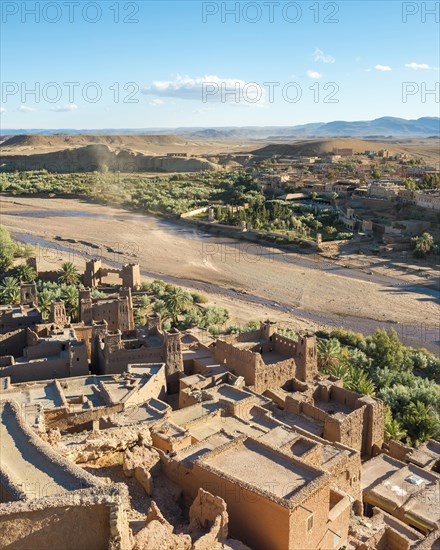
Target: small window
x=310, y=523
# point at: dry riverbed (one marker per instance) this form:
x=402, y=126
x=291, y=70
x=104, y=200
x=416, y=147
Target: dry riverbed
x=250, y=280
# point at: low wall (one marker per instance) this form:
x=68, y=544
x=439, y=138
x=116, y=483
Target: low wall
x=253, y=236
x=82, y=520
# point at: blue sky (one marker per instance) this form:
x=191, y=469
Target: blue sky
x=178, y=63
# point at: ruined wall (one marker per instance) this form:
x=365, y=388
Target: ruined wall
x=344, y=396
x=346, y=429
x=118, y=361
x=155, y=387
x=274, y=375
x=242, y=362
x=310, y=410
x=306, y=358
x=374, y=419
x=284, y=345
x=45, y=348
x=173, y=360
x=88, y=519
x=68, y=527
x=65, y=420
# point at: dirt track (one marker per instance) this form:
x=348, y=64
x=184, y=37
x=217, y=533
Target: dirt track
x=291, y=288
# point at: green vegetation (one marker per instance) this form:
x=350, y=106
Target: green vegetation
x=424, y=245
x=165, y=195
x=405, y=378
x=174, y=195
x=10, y=249
x=179, y=308
x=68, y=274
x=291, y=220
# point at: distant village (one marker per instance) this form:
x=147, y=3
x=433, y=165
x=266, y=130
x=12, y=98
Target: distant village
x=378, y=197
x=154, y=438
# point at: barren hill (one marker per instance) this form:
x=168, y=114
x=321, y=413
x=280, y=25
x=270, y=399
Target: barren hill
x=60, y=141
x=99, y=157
x=318, y=147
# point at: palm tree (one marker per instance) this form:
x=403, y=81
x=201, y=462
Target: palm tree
x=358, y=381
x=420, y=421
x=70, y=296
x=333, y=197
x=160, y=308
x=339, y=371
x=68, y=274
x=176, y=301
x=329, y=354
x=393, y=430
x=45, y=298
x=424, y=244
x=25, y=273
x=10, y=291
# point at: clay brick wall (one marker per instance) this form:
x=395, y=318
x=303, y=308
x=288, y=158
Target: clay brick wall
x=399, y=450
x=314, y=412
x=243, y=362
x=284, y=345
x=344, y=396
x=118, y=361
x=347, y=475
x=275, y=375
x=351, y=429
x=44, y=349
x=13, y=343
x=84, y=334
x=64, y=420
x=57, y=528
x=107, y=311
x=316, y=504
x=253, y=519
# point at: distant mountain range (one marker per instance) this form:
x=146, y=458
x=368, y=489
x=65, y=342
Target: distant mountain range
x=380, y=128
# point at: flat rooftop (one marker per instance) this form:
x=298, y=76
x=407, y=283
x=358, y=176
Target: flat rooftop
x=261, y=467
x=194, y=412
x=406, y=486
x=192, y=452
x=299, y=421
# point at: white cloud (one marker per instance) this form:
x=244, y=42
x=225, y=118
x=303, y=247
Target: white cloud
x=201, y=111
x=313, y=74
x=156, y=102
x=383, y=68
x=319, y=55
x=417, y=66
x=25, y=109
x=2, y=110
x=64, y=108
x=209, y=89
